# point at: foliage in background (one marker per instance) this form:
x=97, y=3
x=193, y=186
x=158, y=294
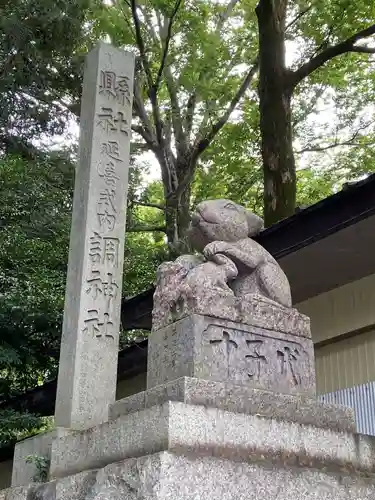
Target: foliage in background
x=34, y=231
x=42, y=466
x=192, y=70
x=42, y=46
x=36, y=203
x=15, y=426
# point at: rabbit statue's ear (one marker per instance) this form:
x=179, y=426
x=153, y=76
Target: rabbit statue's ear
x=254, y=222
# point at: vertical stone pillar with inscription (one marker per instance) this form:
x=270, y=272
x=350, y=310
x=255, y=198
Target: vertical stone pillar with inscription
x=89, y=346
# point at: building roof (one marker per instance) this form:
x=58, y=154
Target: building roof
x=322, y=246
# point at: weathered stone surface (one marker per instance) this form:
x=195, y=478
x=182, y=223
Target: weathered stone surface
x=131, y=435
x=129, y=404
x=76, y=487
x=183, y=428
x=89, y=346
x=16, y=493
x=238, y=270
x=223, y=304
x=24, y=472
x=240, y=399
x=221, y=350
x=33, y=491
x=168, y=476
x=180, y=288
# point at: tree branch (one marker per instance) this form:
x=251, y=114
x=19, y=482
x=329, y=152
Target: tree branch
x=334, y=51
x=138, y=129
x=225, y=15
x=168, y=127
x=148, y=133
x=206, y=141
x=202, y=144
x=337, y=143
x=181, y=139
x=320, y=149
x=139, y=146
x=126, y=17
x=146, y=66
x=166, y=44
x=151, y=205
x=189, y=114
x=298, y=17
x=140, y=44
x=193, y=98
x=363, y=49
x=146, y=229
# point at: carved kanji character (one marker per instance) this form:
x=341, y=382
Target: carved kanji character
x=92, y=323
x=95, y=285
x=111, y=149
x=123, y=90
x=107, y=83
x=111, y=251
x=106, y=209
x=288, y=358
x=257, y=359
x=106, y=120
x=228, y=344
x=95, y=251
x=108, y=172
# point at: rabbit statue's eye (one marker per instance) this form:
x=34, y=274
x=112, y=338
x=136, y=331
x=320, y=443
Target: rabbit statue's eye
x=232, y=206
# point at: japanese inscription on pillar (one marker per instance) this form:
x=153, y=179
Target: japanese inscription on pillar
x=89, y=346
x=102, y=281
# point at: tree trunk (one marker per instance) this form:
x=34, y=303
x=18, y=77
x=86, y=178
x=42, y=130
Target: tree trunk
x=275, y=91
x=177, y=218
x=183, y=215
x=171, y=209
x=177, y=215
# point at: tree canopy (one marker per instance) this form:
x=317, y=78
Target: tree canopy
x=210, y=72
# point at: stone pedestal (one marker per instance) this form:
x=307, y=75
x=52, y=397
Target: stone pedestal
x=170, y=476
x=271, y=354
x=229, y=413
x=263, y=449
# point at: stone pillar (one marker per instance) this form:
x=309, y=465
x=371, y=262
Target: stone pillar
x=89, y=345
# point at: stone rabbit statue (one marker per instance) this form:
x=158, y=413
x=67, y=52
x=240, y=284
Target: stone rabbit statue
x=222, y=228
x=233, y=270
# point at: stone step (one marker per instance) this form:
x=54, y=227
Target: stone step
x=169, y=476
x=183, y=429
x=241, y=399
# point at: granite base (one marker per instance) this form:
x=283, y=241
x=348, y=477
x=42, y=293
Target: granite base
x=240, y=399
x=182, y=428
x=225, y=351
x=168, y=476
